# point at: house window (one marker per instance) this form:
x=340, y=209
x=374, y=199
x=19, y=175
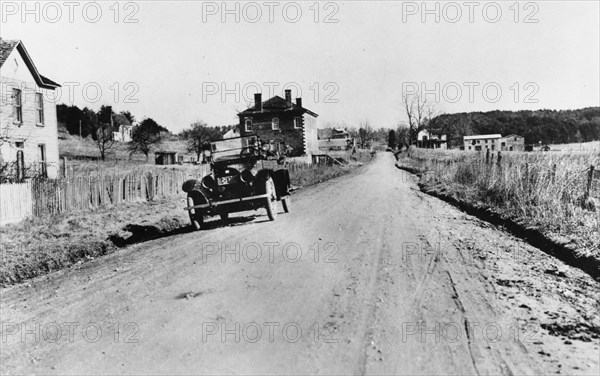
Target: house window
x=486, y=141
x=17, y=106
x=248, y=125
x=19, y=144
x=504, y=144
x=298, y=122
x=39, y=105
x=469, y=148
x=275, y=123
x=42, y=159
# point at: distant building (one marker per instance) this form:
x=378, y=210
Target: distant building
x=512, y=142
x=28, y=123
x=279, y=120
x=334, y=139
x=232, y=133
x=428, y=140
x=124, y=133
x=482, y=142
x=494, y=142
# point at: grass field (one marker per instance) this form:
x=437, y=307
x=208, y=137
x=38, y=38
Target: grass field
x=74, y=147
x=584, y=146
x=542, y=189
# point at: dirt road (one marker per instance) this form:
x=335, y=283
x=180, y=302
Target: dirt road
x=366, y=275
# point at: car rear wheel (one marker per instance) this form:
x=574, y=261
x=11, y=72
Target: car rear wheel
x=285, y=202
x=271, y=200
x=196, y=216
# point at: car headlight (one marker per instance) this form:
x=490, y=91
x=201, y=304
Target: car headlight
x=247, y=176
x=208, y=182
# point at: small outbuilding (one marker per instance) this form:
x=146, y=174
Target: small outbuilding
x=165, y=157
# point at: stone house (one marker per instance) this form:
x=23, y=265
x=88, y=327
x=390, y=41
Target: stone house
x=281, y=121
x=512, y=142
x=28, y=123
x=482, y=142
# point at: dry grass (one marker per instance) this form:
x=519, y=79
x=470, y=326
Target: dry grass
x=545, y=190
x=306, y=175
x=40, y=245
x=583, y=146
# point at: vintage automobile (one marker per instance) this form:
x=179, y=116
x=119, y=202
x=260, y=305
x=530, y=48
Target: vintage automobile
x=239, y=181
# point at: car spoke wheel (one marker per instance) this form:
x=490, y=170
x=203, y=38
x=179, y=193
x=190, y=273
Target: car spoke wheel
x=196, y=216
x=286, y=204
x=271, y=200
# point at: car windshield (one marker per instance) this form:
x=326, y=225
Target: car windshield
x=232, y=148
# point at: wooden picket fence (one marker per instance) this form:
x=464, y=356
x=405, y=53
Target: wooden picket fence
x=15, y=202
x=93, y=189
x=40, y=197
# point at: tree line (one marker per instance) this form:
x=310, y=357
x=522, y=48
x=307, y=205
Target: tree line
x=541, y=126
x=145, y=136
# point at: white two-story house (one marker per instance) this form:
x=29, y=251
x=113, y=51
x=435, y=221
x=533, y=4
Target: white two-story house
x=28, y=124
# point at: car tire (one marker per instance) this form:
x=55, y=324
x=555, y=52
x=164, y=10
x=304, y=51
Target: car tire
x=196, y=216
x=271, y=200
x=285, y=202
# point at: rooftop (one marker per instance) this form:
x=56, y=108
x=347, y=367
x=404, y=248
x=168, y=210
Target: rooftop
x=7, y=47
x=277, y=104
x=482, y=136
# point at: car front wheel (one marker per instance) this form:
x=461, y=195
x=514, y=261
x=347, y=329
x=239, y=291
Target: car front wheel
x=196, y=216
x=271, y=200
x=286, y=204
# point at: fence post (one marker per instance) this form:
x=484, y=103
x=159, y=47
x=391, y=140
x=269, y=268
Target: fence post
x=64, y=165
x=589, y=182
x=487, y=156
x=527, y=176
x=20, y=166
x=499, y=158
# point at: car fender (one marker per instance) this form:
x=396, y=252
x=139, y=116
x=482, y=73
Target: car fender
x=199, y=197
x=190, y=185
x=281, y=178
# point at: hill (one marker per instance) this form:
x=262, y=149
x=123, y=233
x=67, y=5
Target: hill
x=547, y=126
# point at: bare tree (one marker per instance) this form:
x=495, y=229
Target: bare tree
x=364, y=132
x=104, y=137
x=197, y=137
x=402, y=135
x=418, y=112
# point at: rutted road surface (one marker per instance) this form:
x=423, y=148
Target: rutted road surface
x=366, y=275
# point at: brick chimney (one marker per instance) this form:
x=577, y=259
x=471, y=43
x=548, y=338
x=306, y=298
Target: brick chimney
x=258, y=101
x=299, y=102
x=288, y=97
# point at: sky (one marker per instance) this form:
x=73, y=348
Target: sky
x=184, y=61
